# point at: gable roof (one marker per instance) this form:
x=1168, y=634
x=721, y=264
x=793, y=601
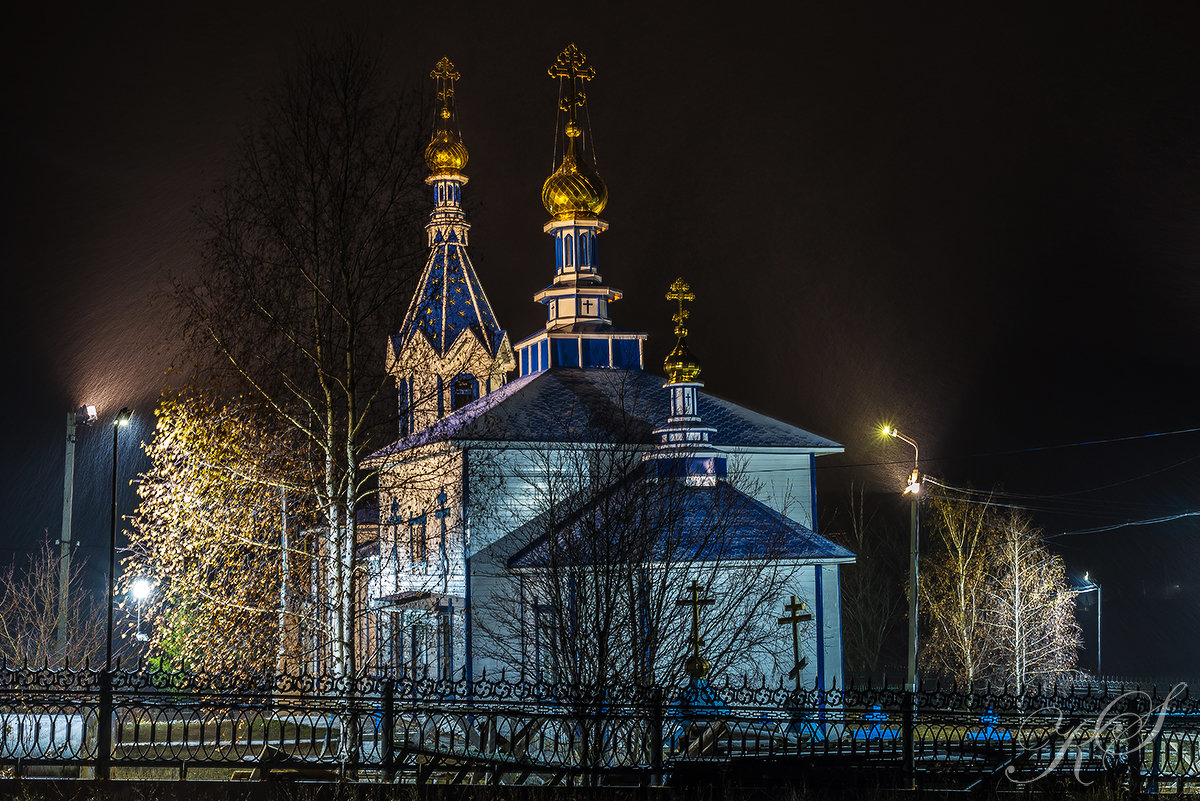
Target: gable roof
x=707, y=524
x=565, y=404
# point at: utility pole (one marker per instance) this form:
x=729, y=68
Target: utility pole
x=85, y=415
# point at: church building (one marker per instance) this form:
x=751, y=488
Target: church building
x=553, y=509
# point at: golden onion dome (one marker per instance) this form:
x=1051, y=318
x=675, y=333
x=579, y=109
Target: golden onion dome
x=681, y=367
x=446, y=154
x=574, y=190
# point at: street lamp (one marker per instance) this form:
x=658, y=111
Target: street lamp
x=913, y=489
x=119, y=422
x=84, y=415
x=1093, y=586
x=140, y=590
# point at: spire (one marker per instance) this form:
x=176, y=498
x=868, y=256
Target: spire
x=450, y=344
x=685, y=449
x=575, y=189
x=445, y=154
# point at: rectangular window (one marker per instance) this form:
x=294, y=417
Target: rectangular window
x=566, y=352
x=595, y=352
x=544, y=354
x=625, y=354
x=416, y=531
x=545, y=658
x=445, y=641
x=396, y=641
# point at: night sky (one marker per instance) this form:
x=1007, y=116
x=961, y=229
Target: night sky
x=980, y=225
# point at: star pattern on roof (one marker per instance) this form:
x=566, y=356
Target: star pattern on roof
x=450, y=301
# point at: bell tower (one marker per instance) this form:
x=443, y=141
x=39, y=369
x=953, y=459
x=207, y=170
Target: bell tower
x=450, y=350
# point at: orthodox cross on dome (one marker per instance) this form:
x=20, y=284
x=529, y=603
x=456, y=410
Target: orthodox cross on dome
x=797, y=614
x=680, y=365
x=572, y=65
x=696, y=666
x=681, y=292
x=444, y=76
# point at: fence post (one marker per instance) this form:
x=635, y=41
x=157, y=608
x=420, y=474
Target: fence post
x=387, y=730
x=656, y=737
x=104, y=726
x=906, y=717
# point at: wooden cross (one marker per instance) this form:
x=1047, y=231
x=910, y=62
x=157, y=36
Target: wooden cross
x=695, y=601
x=797, y=615
x=681, y=292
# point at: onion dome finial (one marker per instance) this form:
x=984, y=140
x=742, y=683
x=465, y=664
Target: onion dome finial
x=575, y=189
x=445, y=154
x=680, y=365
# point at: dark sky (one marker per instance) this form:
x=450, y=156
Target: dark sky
x=980, y=224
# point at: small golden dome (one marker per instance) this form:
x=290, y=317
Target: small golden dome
x=680, y=366
x=574, y=190
x=445, y=155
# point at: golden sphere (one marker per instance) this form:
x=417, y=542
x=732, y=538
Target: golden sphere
x=445, y=155
x=572, y=192
x=572, y=130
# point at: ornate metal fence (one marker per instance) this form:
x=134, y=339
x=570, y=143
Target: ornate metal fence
x=387, y=729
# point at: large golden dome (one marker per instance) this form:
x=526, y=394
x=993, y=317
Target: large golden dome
x=446, y=154
x=574, y=190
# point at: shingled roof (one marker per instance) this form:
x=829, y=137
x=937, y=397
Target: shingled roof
x=707, y=523
x=573, y=404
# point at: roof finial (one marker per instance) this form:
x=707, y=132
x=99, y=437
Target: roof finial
x=446, y=154
x=680, y=365
x=574, y=190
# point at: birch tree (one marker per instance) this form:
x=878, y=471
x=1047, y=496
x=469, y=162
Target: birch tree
x=959, y=536
x=311, y=249
x=1030, y=611
x=219, y=534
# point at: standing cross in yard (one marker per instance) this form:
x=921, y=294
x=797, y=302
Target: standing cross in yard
x=797, y=615
x=697, y=667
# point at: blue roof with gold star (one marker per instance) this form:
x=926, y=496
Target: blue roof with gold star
x=449, y=301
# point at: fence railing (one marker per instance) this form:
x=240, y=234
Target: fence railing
x=120, y=724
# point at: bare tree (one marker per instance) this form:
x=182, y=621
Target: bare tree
x=29, y=613
x=610, y=545
x=997, y=601
x=873, y=594
x=311, y=249
x=952, y=588
x=1030, y=610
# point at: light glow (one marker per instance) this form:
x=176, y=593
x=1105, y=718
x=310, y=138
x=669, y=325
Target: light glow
x=141, y=589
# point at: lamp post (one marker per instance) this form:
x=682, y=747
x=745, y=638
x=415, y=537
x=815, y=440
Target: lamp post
x=84, y=415
x=1093, y=586
x=140, y=589
x=121, y=421
x=913, y=488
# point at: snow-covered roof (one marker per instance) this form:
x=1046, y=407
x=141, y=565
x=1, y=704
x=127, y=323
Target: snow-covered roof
x=705, y=524
x=578, y=405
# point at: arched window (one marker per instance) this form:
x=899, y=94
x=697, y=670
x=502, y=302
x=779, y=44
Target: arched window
x=569, y=248
x=464, y=390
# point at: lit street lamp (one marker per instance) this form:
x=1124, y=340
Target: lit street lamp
x=140, y=590
x=119, y=422
x=913, y=488
x=1093, y=586
x=84, y=415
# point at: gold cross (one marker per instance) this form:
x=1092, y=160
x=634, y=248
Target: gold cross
x=445, y=72
x=572, y=65
x=695, y=601
x=681, y=292
x=796, y=608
